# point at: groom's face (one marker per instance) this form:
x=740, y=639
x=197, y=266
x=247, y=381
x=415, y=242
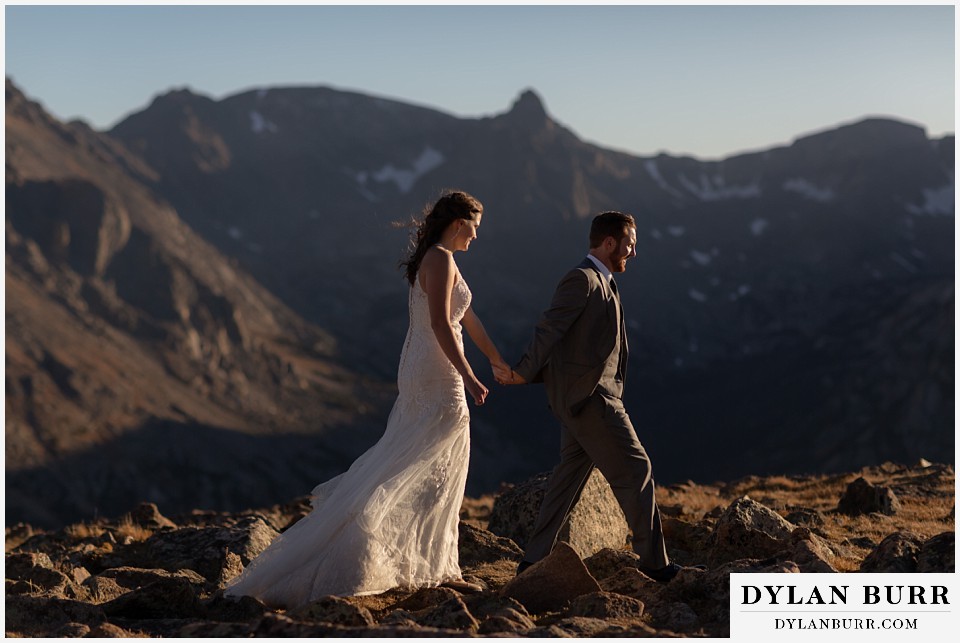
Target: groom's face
x=625, y=249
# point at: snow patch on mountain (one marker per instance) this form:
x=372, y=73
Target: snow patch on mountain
x=259, y=124
x=676, y=230
x=654, y=172
x=404, y=178
x=935, y=201
x=717, y=190
x=758, y=225
x=809, y=190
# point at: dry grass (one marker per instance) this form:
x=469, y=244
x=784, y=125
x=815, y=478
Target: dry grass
x=84, y=530
x=127, y=529
x=926, y=494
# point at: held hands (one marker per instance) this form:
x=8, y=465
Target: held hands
x=506, y=375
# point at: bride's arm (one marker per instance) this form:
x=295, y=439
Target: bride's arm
x=439, y=274
x=471, y=322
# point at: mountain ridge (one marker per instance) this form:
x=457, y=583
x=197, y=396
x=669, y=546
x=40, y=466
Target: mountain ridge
x=797, y=257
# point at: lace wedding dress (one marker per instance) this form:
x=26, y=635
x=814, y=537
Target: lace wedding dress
x=392, y=519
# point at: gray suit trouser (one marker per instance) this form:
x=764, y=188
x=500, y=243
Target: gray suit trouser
x=601, y=435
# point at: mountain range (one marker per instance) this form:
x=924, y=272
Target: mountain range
x=205, y=298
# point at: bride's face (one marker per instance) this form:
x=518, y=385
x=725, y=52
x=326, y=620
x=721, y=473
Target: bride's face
x=466, y=232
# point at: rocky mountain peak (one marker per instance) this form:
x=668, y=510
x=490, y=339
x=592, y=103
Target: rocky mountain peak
x=528, y=108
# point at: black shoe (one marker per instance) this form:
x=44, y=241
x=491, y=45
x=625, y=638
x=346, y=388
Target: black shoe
x=523, y=566
x=667, y=574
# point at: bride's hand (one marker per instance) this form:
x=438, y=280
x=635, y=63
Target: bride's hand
x=477, y=390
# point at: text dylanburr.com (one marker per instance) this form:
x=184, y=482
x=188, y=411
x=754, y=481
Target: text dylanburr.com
x=910, y=607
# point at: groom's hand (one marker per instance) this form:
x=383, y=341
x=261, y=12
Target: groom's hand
x=507, y=376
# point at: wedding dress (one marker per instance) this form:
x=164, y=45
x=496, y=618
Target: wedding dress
x=392, y=518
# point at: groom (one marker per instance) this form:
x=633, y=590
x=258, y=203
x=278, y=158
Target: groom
x=579, y=350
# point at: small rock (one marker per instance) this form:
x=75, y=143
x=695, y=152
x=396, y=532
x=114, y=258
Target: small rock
x=606, y=606
x=335, y=610
x=550, y=583
x=607, y=562
x=72, y=631
x=895, y=554
x=595, y=522
x=586, y=626
x=861, y=497
x=674, y=616
x=109, y=631
x=243, y=608
x=18, y=566
x=502, y=624
x=147, y=515
x=937, y=554
x=804, y=517
x=481, y=546
x=213, y=629
x=452, y=614
x=810, y=552
x=747, y=529
x=426, y=597
x=628, y=582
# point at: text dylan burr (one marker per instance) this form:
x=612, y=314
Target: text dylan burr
x=837, y=595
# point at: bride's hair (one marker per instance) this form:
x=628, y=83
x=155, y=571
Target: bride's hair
x=452, y=205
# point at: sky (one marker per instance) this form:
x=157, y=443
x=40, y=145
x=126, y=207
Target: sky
x=706, y=81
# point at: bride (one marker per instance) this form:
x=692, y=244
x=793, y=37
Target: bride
x=392, y=519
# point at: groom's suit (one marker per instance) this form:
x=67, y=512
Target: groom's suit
x=579, y=351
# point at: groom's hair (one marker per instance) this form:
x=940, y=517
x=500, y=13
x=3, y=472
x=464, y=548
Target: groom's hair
x=610, y=224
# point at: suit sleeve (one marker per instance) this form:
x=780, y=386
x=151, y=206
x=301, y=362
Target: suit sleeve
x=568, y=303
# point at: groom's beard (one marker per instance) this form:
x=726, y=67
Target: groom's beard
x=619, y=264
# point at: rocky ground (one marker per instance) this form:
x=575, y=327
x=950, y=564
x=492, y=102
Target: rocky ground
x=146, y=575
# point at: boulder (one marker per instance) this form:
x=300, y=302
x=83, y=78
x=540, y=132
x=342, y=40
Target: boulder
x=937, y=554
x=113, y=583
x=41, y=616
x=595, y=522
x=550, y=583
x=205, y=550
x=861, y=497
x=897, y=553
x=747, y=529
x=35, y=573
x=166, y=598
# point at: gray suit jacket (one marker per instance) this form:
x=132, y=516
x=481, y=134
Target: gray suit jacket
x=575, y=339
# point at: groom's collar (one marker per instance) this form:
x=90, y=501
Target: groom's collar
x=602, y=268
